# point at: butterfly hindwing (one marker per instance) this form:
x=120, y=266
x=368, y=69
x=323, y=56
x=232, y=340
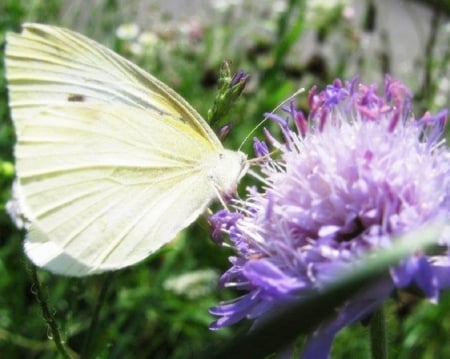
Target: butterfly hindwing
x=106, y=199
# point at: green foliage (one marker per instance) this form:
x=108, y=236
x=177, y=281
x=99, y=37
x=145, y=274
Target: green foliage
x=139, y=315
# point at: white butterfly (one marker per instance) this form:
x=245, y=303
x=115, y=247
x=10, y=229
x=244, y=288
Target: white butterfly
x=111, y=163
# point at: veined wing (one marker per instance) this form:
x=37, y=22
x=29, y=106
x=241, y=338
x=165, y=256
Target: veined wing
x=105, y=186
x=50, y=66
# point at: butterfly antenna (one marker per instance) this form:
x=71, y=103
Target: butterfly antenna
x=299, y=91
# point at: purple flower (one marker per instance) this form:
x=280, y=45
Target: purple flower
x=356, y=173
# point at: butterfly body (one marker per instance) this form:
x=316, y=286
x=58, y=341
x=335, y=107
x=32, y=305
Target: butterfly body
x=111, y=163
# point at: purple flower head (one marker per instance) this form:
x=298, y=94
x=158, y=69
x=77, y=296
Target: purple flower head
x=357, y=172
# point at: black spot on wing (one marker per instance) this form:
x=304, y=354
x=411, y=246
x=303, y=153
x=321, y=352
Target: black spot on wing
x=75, y=98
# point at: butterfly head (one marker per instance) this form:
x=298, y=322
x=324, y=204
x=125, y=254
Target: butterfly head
x=226, y=169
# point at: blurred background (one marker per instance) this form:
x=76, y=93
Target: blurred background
x=159, y=308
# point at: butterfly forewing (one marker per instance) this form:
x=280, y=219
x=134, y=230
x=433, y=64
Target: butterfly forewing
x=47, y=65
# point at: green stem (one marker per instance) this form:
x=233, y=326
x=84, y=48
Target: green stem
x=47, y=314
x=378, y=342
x=86, y=352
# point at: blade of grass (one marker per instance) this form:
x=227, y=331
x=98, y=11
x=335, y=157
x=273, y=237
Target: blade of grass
x=266, y=339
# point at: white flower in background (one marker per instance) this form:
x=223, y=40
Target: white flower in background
x=145, y=43
x=279, y=6
x=193, y=284
x=148, y=39
x=128, y=31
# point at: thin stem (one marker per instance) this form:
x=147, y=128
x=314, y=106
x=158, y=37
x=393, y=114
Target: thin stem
x=48, y=316
x=378, y=342
x=86, y=351
x=428, y=88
